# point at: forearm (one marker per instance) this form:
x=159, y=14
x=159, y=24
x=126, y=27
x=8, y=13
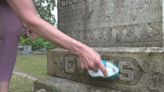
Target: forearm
x=27, y=13
x=25, y=9
x=52, y=34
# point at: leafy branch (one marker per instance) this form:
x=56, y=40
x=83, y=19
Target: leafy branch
x=45, y=8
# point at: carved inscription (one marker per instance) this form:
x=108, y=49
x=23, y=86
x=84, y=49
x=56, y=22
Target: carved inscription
x=120, y=23
x=64, y=3
x=129, y=69
x=70, y=64
x=141, y=34
x=126, y=71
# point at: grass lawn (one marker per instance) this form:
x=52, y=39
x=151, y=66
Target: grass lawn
x=19, y=84
x=33, y=65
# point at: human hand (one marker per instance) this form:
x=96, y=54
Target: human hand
x=91, y=60
x=29, y=33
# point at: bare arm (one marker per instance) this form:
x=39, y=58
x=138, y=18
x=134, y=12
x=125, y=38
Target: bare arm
x=25, y=9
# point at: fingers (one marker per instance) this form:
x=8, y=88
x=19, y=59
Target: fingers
x=82, y=65
x=102, y=68
x=100, y=65
x=31, y=34
x=88, y=65
x=93, y=66
x=90, y=60
x=28, y=33
x=35, y=36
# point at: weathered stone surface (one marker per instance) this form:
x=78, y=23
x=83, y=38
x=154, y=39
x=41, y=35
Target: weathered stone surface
x=54, y=84
x=126, y=32
x=112, y=22
x=141, y=69
x=41, y=90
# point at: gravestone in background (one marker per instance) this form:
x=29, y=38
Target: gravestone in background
x=128, y=32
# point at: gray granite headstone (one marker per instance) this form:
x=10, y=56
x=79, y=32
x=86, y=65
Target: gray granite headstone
x=27, y=49
x=126, y=32
x=116, y=23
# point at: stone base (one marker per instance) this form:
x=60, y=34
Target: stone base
x=141, y=69
x=54, y=84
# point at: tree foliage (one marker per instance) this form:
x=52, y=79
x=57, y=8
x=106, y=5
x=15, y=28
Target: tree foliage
x=44, y=9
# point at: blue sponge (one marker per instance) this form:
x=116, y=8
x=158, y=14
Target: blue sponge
x=112, y=69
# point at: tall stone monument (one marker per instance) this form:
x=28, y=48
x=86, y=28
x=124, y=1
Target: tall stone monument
x=128, y=32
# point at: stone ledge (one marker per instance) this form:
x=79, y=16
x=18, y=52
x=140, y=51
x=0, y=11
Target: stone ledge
x=140, y=68
x=54, y=84
x=121, y=49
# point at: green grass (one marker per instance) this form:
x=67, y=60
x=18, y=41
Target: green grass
x=19, y=84
x=33, y=65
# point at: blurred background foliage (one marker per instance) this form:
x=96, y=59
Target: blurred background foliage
x=44, y=10
x=37, y=44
